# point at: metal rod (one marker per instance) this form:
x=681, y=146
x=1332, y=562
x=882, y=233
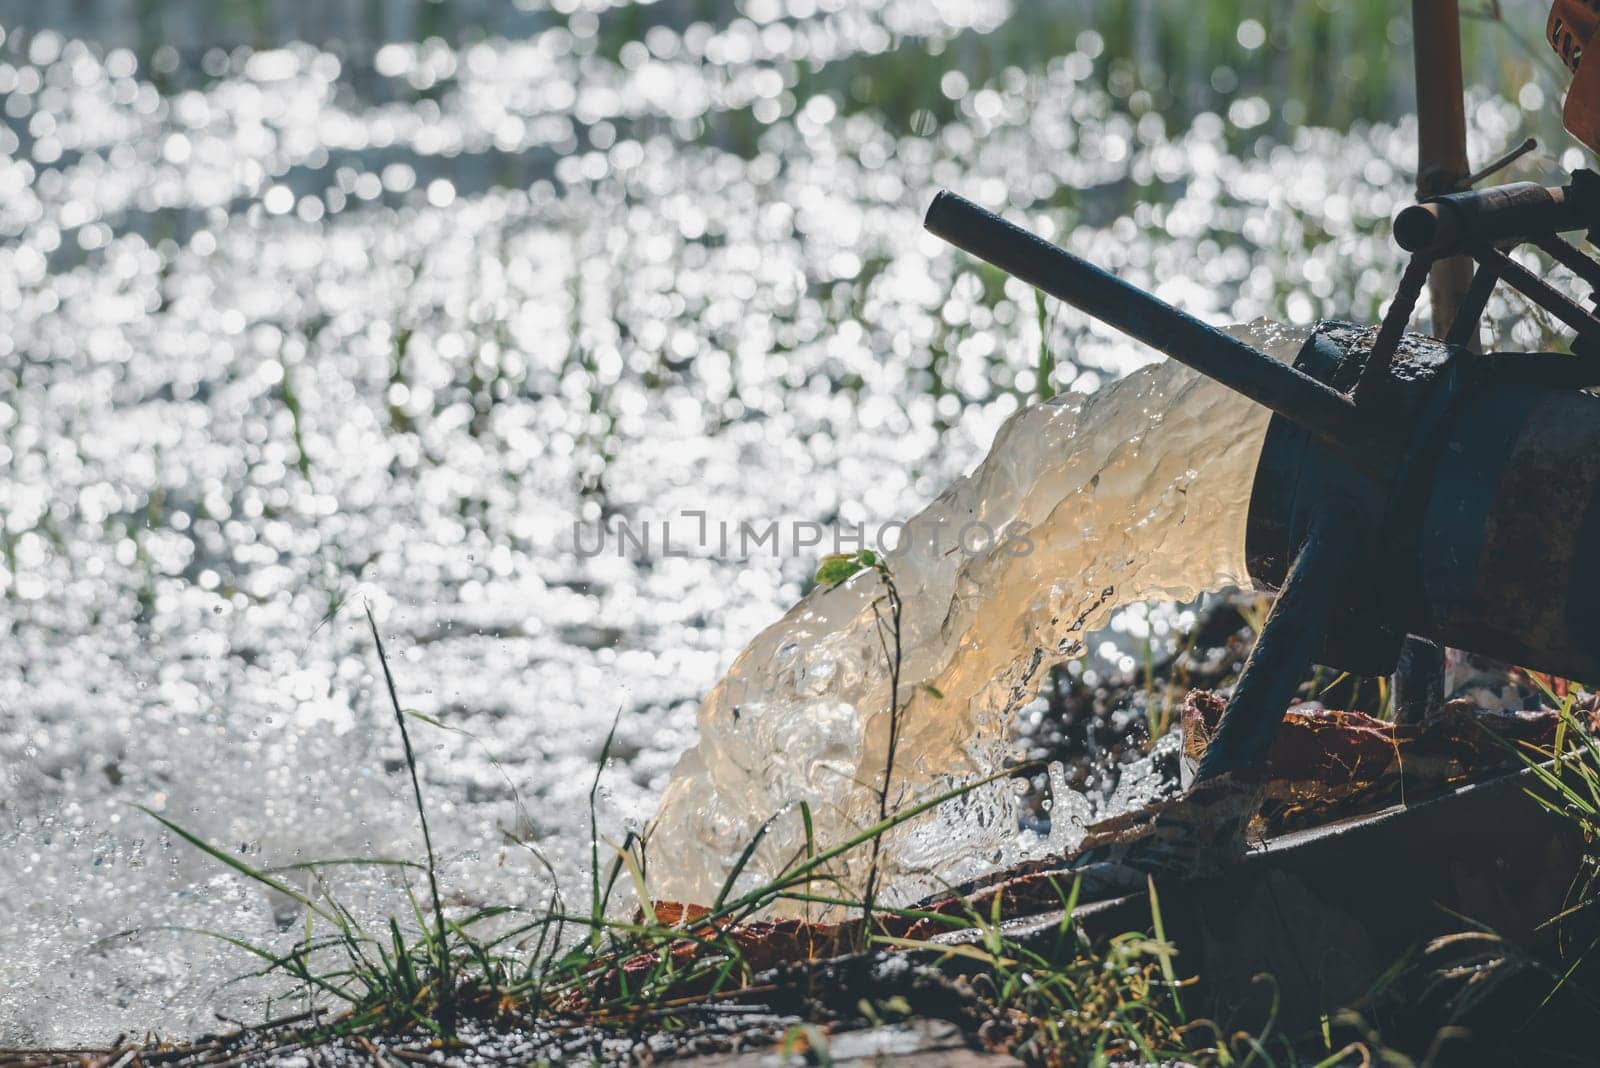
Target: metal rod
x=1499, y=163
x=1320, y=409
x=1442, y=167
x=1464, y=328
x=1540, y=292
x=1418, y=680
x=1441, y=135
x=1289, y=641
x=1570, y=258
x=1394, y=326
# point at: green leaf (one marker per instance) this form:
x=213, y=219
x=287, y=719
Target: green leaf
x=837, y=567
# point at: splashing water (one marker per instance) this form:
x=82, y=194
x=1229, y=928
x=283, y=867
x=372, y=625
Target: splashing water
x=1084, y=504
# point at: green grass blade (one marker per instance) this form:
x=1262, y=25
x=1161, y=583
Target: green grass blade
x=446, y=987
x=255, y=874
x=596, y=906
x=739, y=865
x=1164, y=948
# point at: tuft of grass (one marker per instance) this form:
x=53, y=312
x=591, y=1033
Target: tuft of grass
x=1567, y=778
x=505, y=963
x=1065, y=1003
x=1467, y=970
x=425, y=973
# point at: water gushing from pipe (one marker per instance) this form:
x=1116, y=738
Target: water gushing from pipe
x=1138, y=492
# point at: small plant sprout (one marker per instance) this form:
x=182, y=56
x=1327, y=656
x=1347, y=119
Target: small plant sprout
x=837, y=567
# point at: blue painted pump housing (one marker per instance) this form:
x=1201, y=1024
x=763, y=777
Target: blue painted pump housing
x=1483, y=534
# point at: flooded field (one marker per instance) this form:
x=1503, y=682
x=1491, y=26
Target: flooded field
x=500, y=333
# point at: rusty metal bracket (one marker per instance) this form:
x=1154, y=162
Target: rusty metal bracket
x=1485, y=225
x=1395, y=320
x=1289, y=640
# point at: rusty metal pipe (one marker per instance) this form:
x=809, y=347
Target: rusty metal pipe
x=1376, y=369
x=1441, y=136
x=1454, y=224
x=1442, y=167
x=1325, y=412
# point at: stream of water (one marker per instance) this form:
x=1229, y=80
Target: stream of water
x=1084, y=504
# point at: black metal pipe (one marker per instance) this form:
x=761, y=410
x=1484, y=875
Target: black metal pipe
x=1289, y=641
x=1418, y=683
x=1464, y=327
x=1322, y=410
